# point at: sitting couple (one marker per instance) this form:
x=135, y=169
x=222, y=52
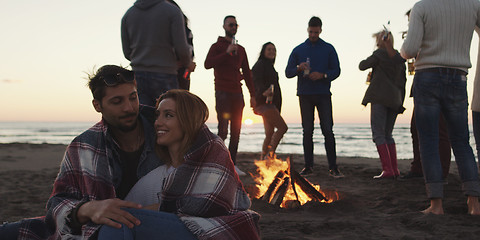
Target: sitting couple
x=143, y=173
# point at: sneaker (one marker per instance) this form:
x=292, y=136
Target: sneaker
x=240, y=172
x=306, y=171
x=411, y=175
x=335, y=173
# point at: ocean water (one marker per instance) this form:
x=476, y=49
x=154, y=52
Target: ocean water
x=352, y=140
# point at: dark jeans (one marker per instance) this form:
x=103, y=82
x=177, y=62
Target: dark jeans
x=476, y=130
x=229, y=107
x=443, y=146
x=154, y=225
x=37, y=227
x=151, y=85
x=323, y=104
x=444, y=91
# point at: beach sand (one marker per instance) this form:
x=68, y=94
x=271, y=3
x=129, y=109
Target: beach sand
x=368, y=208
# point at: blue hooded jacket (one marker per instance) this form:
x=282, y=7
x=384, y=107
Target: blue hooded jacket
x=323, y=59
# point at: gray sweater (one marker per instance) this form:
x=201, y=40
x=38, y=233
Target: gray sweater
x=440, y=33
x=153, y=37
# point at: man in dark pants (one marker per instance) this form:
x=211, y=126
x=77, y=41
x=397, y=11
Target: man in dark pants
x=416, y=170
x=227, y=57
x=315, y=64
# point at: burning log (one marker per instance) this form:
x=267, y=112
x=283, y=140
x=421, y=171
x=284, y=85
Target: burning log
x=303, y=183
x=289, y=170
x=307, y=187
x=273, y=186
x=280, y=194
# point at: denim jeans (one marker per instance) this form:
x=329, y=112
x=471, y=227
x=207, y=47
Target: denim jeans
x=154, y=225
x=476, y=130
x=229, y=107
x=444, y=91
x=151, y=85
x=443, y=145
x=36, y=226
x=323, y=104
x=382, y=121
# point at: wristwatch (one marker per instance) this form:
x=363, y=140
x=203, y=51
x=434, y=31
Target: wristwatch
x=325, y=76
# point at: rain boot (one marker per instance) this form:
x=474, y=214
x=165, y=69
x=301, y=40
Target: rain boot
x=393, y=159
x=386, y=163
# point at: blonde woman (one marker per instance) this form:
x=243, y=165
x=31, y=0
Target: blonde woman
x=385, y=93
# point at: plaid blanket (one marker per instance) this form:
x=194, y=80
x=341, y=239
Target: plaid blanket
x=207, y=194
x=89, y=171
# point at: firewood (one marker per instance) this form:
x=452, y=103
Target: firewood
x=280, y=193
x=289, y=171
x=273, y=186
x=307, y=187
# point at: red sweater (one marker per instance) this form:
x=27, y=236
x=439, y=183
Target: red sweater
x=227, y=68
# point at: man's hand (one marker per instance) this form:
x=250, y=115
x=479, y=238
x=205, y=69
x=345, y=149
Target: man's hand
x=232, y=49
x=108, y=212
x=302, y=66
x=192, y=66
x=314, y=76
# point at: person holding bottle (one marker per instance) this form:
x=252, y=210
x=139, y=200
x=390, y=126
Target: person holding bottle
x=230, y=64
x=385, y=93
x=439, y=38
x=269, y=99
x=313, y=91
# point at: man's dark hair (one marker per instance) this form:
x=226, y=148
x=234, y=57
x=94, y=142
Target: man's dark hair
x=315, y=22
x=97, y=83
x=228, y=16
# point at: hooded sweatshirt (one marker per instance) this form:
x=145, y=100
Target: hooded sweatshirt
x=153, y=37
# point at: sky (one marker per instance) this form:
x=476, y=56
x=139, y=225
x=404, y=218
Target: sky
x=49, y=46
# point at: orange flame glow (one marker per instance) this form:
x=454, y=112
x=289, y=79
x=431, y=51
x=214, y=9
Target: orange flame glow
x=267, y=170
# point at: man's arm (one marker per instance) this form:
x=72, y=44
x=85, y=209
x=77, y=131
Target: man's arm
x=182, y=49
x=412, y=43
x=292, y=68
x=215, y=56
x=247, y=75
x=333, y=70
x=74, y=190
x=127, y=51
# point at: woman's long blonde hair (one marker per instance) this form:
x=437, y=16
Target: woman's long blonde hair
x=192, y=114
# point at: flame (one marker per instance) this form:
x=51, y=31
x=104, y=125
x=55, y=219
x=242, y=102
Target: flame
x=266, y=172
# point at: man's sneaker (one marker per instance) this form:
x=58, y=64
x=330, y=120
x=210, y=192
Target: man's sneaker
x=239, y=172
x=306, y=171
x=411, y=175
x=335, y=173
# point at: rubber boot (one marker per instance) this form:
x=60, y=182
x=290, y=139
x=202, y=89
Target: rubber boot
x=393, y=159
x=386, y=163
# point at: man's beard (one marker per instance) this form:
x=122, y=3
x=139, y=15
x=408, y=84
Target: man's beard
x=229, y=34
x=126, y=129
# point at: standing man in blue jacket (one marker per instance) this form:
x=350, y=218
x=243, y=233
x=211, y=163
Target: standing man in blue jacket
x=315, y=63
